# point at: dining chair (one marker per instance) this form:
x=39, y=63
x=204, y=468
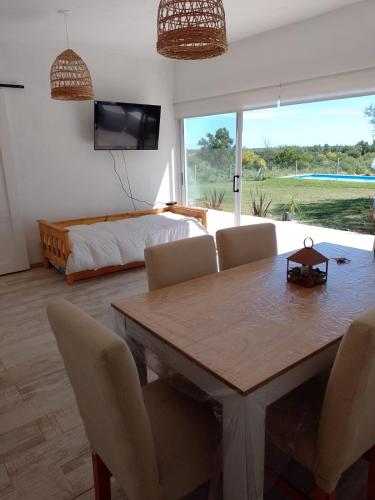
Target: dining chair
x=156, y=442
x=328, y=423
x=169, y=264
x=244, y=244
x=182, y=260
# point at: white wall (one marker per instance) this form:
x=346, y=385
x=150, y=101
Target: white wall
x=336, y=42
x=59, y=174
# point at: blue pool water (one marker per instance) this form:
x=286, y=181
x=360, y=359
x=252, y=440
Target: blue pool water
x=329, y=177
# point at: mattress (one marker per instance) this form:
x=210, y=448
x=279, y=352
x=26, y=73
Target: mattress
x=104, y=244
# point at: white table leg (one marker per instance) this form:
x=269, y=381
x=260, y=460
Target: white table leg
x=136, y=348
x=243, y=448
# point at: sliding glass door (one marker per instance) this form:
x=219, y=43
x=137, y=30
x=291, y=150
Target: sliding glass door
x=211, y=172
x=311, y=162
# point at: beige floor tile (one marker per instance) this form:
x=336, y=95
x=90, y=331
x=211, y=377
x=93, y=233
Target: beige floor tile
x=68, y=418
x=52, y=452
x=87, y=495
x=13, y=354
x=52, y=391
x=47, y=484
x=9, y=398
x=49, y=427
x=6, y=485
x=78, y=473
x=39, y=365
x=10, y=496
x=19, y=440
x=20, y=414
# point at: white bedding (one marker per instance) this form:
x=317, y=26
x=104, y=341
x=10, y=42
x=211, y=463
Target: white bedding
x=116, y=243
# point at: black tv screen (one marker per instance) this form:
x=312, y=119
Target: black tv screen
x=121, y=125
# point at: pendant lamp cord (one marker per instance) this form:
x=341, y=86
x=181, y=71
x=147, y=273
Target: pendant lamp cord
x=66, y=31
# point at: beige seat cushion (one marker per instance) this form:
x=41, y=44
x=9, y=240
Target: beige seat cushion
x=186, y=436
x=240, y=245
x=293, y=420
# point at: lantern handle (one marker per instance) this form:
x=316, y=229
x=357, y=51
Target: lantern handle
x=305, y=244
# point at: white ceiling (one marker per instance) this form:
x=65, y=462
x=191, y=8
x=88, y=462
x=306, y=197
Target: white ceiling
x=130, y=25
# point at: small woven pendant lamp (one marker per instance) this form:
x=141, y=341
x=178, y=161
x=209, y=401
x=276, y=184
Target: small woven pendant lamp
x=190, y=29
x=70, y=77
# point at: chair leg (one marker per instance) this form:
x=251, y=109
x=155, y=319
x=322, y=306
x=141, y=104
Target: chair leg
x=371, y=475
x=291, y=491
x=102, y=476
x=322, y=495
x=287, y=488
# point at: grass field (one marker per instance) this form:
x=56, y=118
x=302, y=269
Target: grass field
x=334, y=204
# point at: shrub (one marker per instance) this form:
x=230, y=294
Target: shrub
x=259, y=205
x=292, y=205
x=213, y=199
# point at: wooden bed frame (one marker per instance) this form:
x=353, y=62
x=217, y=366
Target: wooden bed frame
x=54, y=237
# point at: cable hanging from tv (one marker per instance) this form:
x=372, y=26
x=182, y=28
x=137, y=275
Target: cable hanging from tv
x=127, y=190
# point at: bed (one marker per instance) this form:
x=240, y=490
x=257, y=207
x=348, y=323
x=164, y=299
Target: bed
x=89, y=247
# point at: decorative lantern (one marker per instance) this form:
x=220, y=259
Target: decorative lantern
x=307, y=273
x=191, y=29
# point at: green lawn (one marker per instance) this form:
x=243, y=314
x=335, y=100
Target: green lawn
x=335, y=204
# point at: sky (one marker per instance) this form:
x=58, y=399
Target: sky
x=340, y=121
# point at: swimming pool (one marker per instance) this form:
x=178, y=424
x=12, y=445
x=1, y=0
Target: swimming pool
x=332, y=177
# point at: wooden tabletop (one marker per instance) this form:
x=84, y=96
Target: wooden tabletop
x=247, y=325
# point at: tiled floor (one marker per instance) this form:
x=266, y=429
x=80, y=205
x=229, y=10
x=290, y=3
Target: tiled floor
x=44, y=454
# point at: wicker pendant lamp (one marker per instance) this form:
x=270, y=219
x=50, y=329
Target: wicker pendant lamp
x=70, y=77
x=190, y=29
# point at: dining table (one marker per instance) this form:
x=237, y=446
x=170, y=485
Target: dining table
x=246, y=337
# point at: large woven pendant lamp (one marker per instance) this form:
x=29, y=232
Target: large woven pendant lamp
x=190, y=29
x=70, y=77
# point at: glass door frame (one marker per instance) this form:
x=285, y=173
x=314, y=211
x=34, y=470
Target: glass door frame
x=237, y=182
x=181, y=188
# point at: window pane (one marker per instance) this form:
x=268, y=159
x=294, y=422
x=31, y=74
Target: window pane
x=210, y=160
x=331, y=138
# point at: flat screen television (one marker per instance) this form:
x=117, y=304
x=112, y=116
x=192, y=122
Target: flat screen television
x=120, y=125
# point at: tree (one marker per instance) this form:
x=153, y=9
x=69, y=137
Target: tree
x=267, y=151
x=370, y=113
x=221, y=140
x=364, y=146
x=218, y=151
x=288, y=156
x=252, y=160
x=330, y=155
